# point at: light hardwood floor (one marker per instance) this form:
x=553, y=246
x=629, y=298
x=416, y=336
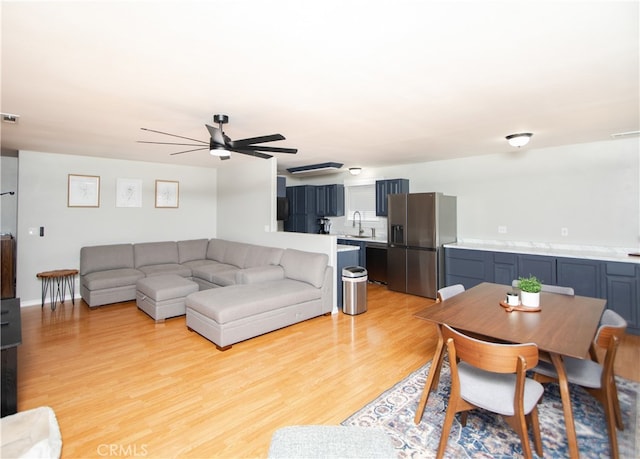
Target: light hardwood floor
x=122, y=385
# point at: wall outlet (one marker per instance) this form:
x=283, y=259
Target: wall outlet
x=564, y=231
x=502, y=229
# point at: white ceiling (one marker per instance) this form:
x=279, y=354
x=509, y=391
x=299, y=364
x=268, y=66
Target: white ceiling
x=366, y=83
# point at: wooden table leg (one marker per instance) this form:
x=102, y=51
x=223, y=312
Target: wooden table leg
x=434, y=375
x=566, y=405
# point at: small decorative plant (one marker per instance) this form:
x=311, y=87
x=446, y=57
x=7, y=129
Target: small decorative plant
x=530, y=284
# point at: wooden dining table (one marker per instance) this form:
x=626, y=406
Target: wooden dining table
x=564, y=326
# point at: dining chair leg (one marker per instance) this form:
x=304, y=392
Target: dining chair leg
x=572, y=438
x=616, y=404
x=434, y=374
x=535, y=428
x=609, y=412
x=519, y=425
x=446, y=429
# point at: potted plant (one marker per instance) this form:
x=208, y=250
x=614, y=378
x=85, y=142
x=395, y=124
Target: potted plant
x=530, y=291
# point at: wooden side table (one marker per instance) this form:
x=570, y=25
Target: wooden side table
x=62, y=278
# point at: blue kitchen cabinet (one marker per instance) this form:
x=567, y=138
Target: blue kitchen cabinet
x=362, y=255
x=330, y=200
x=622, y=285
x=505, y=267
x=541, y=266
x=385, y=188
x=302, y=209
x=584, y=276
x=467, y=267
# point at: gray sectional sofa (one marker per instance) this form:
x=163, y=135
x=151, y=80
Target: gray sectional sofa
x=244, y=289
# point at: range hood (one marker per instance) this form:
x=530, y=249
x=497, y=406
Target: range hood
x=315, y=169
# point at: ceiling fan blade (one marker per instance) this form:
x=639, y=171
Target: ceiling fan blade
x=262, y=139
x=173, y=135
x=271, y=149
x=252, y=153
x=187, y=151
x=216, y=134
x=170, y=143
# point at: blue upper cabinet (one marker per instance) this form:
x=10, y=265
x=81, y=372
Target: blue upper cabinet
x=330, y=200
x=302, y=209
x=385, y=188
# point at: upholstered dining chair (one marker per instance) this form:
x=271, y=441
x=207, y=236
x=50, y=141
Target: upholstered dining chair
x=549, y=288
x=596, y=378
x=447, y=292
x=492, y=376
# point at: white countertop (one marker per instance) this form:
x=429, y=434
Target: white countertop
x=378, y=239
x=558, y=250
x=346, y=248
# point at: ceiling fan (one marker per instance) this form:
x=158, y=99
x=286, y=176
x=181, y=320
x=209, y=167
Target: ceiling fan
x=222, y=146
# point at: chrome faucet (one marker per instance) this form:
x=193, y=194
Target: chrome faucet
x=360, y=230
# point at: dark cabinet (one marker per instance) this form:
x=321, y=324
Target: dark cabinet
x=505, y=267
x=622, y=285
x=617, y=282
x=584, y=276
x=362, y=253
x=302, y=209
x=330, y=200
x=543, y=267
x=11, y=339
x=385, y=188
x=8, y=280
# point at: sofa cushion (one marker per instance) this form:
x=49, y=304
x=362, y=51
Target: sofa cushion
x=216, y=249
x=195, y=249
x=235, y=253
x=105, y=257
x=259, y=274
x=262, y=256
x=111, y=278
x=213, y=272
x=155, y=253
x=304, y=266
x=167, y=268
x=239, y=301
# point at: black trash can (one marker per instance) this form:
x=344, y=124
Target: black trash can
x=354, y=290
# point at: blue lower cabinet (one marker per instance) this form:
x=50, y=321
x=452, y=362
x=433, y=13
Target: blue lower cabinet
x=584, y=276
x=617, y=282
x=622, y=284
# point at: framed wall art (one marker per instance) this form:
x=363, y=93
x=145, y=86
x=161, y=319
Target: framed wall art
x=167, y=193
x=129, y=193
x=83, y=191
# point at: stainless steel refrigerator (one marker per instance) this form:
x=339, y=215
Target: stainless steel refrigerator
x=418, y=225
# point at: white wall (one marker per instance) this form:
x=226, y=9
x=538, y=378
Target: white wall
x=247, y=211
x=591, y=189
x=9, y=203
x=43, y=202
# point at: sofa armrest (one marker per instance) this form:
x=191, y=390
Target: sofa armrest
x=259, y=274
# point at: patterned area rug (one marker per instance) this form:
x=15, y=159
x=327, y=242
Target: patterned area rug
x=487, y=435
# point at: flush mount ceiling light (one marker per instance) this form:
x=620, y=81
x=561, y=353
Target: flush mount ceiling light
x=519, y=140
x=355, y=170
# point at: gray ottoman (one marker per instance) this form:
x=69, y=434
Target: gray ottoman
x=163, y=296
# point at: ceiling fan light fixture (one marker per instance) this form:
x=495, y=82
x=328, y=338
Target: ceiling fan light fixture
x=355, y=170
x=519, y=140
x=219, y=150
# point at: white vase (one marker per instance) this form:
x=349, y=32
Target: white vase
x=531, y=300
